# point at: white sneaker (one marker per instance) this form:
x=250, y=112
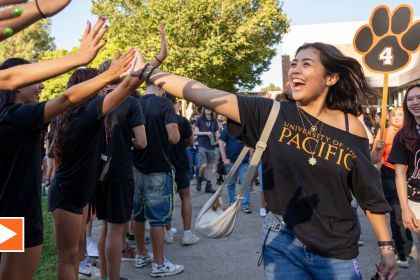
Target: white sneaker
x=87, y=271
x=403, y=263
x=263, y=212
x=142, y=261
x=166, y=269
x=169, y=236
x=190, y=239
x=92, y=250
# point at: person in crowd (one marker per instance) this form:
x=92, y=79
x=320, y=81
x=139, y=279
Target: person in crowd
x=193, y=156
x=380, y=154
x=405, y=155
x=230, y=148
x=153, y=181
x=315, y=133
x=179, y=159
x=124, y=129
x=114, y=196
x=77, y=152
x=206, y=129
x=376, y=124
x=21, y=124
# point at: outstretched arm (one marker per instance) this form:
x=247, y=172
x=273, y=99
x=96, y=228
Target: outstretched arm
x=80, y=92
x=12, y=21
x=27, y=74
x=221, y=102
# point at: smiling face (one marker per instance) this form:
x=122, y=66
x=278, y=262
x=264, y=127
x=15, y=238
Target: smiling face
x=30, y=93
x=413, y=103
x=307, y=77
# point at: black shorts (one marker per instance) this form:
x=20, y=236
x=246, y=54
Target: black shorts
x=182, y=180
x=34, y=239
x=57, y=200
x=114, y=201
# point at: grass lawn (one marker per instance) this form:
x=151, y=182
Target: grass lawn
x=47, y=265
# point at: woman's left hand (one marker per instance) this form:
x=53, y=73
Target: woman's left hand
x=388, y=268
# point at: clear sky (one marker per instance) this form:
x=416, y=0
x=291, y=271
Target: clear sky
x=69, y=24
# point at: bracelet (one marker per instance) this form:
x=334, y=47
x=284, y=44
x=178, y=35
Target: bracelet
x=386, y=243
x=158, y=59
x=39, y=9
x=143, y=70
x=150, y=73
x=390, y=248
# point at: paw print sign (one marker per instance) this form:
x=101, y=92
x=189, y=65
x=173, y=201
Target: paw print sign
x=388, y=41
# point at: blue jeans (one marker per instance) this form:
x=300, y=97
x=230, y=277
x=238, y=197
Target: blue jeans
x=285, y=257
x=240, y=172
x=153, y=197
x=194, y=161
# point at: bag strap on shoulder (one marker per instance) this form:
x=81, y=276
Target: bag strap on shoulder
x=260, y=147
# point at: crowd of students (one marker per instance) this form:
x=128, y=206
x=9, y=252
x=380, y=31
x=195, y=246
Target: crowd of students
x=118, y=154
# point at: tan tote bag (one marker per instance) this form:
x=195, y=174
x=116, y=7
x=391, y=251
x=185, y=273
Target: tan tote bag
x=212, y=221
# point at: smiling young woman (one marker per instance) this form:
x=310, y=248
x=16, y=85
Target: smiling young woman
x=315, y=133
x=405, y=154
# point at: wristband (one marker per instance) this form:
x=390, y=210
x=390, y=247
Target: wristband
x=143, y=70
x=150, y=73
x=158, y=60
x=39, y=9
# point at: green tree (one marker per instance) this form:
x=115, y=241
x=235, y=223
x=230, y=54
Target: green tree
x=270, y=87
x=225, y=44
x=57, y=85
x=30, y=43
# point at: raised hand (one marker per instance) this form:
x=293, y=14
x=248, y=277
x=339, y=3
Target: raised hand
x=120, y=64
x=163, y=53
x=92, y=41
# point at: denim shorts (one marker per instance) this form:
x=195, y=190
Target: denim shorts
x=153, y=197
x=285, y=257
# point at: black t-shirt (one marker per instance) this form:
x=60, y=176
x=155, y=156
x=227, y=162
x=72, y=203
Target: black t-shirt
x=158, y=112
x=77, y=172
x=119, y=125
x=20, y=163
x=179, y=157
x=313, y=200
x=401, y=155
x=205, y=125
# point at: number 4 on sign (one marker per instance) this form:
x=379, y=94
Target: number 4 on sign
x=386, y=55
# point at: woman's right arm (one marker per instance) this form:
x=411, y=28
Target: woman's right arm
x=409, y=219
x=27, y=74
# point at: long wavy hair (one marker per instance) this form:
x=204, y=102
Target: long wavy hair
x=409, y=137
x=67, y=119
x=351, y=91
x=7, y=96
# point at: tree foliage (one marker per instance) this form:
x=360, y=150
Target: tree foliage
x=30, y=43
x=225, y=44
x=270, y=87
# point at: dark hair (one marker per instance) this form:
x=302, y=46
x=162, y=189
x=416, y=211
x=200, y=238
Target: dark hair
x=351, y=91
x=171, y=98
x=203, y=113
x=7, y=96
x=65, y=120
x=409, y=137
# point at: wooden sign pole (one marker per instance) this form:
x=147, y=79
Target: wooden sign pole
x=384, y=105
